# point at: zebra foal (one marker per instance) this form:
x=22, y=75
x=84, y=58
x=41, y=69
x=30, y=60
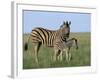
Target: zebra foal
x=65, y=46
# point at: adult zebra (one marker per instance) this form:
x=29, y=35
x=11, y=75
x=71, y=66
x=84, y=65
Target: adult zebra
x=41, y=36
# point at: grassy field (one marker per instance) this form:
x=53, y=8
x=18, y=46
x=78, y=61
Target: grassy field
x=80, y=57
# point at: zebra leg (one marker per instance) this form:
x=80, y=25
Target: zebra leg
x=66, y=53
x=36, y=54
x=55, y=55
x=37, y=47
x=69, y=54
x=60, y=56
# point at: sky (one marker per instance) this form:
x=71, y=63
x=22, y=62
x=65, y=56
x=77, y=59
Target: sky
x=80, y=22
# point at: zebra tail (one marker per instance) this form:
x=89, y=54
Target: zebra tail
x=26, y=45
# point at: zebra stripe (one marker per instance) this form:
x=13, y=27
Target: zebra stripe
x=44, y=35
x=66, y=44
x=49, y=38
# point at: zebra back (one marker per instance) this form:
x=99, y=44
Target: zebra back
x=50, y=37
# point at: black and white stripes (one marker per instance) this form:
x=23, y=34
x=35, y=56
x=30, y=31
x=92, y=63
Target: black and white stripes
x=65, y=46
x=50, y=38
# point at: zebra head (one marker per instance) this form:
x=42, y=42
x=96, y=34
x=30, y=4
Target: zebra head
x=65, y=28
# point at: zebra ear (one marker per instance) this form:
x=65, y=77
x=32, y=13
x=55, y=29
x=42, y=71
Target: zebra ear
x=64, y=23
x=69, y=22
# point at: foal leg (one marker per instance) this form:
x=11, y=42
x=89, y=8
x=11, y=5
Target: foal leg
x=55, y=54
x=66, y=53
x=60, y=56
x=69, y=54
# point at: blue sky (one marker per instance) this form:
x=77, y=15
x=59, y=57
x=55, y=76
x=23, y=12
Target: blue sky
x=80, y=22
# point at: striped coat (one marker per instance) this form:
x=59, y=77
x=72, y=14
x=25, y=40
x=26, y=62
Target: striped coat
x=47, y=37
x=66, y=46
x=41, y=36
